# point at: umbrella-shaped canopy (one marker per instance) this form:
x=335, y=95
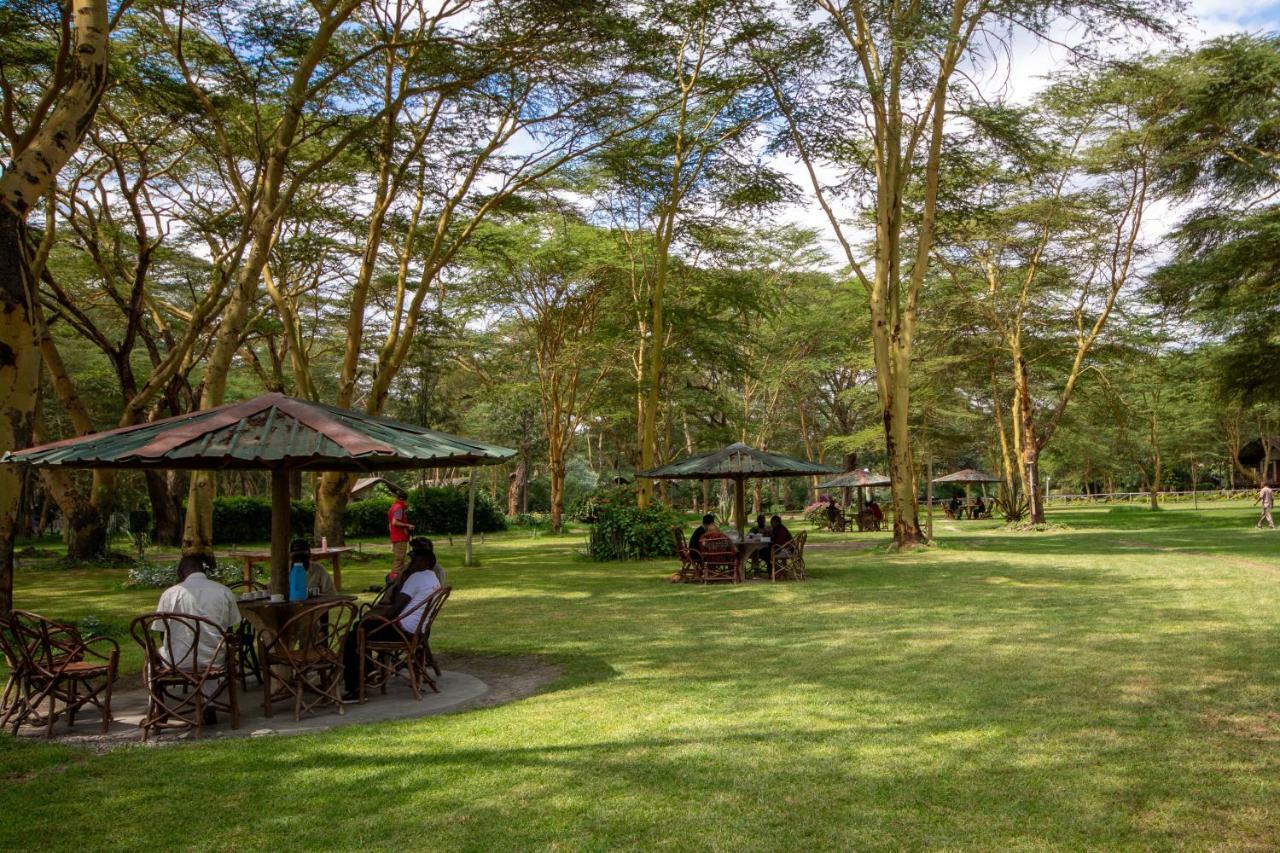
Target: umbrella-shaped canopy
x=967, y=475
x=274, y=432
x=858, y=478
x=737, y=462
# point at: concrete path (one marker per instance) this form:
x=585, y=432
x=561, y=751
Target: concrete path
x=456, y=688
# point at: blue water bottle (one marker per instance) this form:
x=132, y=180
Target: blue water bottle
x=297, y=582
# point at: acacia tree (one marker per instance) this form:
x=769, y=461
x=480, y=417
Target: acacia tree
x=871, y=94
x=56, y=121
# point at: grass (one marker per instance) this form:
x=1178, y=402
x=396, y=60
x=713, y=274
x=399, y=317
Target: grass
x=1113, y=684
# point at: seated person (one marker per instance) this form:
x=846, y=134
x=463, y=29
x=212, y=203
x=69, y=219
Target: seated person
x=833, y=513
x=953, y=507
x=781, y=538
x=761, y=527
x=196, y=595
x=416, y=582
x=876, y=512
x=979, y=508
x=707, y=528
x=422, y=547
x=317, y=577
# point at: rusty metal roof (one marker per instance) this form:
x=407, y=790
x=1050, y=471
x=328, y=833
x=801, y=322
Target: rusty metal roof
x=734, y=461
x=270, y=431
x=967, y=475
x=858, y=478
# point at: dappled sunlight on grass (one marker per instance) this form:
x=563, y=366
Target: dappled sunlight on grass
x=1111, y=683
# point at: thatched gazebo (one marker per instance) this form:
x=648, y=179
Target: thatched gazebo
x=737, y=462
x=272, y=432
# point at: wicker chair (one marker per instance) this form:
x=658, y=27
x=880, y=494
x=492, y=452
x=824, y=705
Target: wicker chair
x=246, y=638
x=176, y=671
x=720, y=560
x=788, y=559
x=13, y=702
x=688, y=563
x=404, y=654
x=305, y=657
x=58, y=666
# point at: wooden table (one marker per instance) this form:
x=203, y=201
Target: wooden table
x=268, y=617
x=748, y=548
x=333, y=553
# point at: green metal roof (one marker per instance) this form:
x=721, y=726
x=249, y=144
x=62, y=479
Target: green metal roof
x=967, y=475
x=734, y=461
x=858, y=478
x=270, y=431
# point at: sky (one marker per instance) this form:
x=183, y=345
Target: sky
x=1030, y=65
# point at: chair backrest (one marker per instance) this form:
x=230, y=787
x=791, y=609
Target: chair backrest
x=677, y=536
x=9, y=645
x=717, y=549
x=430, y=610
x=801, y=538
x=321, y=626
x=243, y=586
x=171, y=643
x=40, y=642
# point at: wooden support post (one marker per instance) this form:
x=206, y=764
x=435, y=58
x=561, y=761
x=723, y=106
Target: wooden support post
x=279, y=531
x=739, y=506
x=471, y=516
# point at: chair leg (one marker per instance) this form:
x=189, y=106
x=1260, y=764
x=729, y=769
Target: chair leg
x=266, y=691
x=361, y=671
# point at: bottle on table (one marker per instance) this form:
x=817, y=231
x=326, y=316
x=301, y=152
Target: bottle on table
x=298, y=582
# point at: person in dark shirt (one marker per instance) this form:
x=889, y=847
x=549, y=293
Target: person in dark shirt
x=876, y=512
x=979, y=507
x=833, y=513
x=707, y=528
x=761, y=528
x=779, y=537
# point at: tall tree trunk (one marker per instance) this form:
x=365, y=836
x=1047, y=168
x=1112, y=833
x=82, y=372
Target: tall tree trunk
x=1030, y=470
x=24, y=182
x=166, y=512
x=557, y=473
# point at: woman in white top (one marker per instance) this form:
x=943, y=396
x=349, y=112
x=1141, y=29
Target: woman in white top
x=416, y=584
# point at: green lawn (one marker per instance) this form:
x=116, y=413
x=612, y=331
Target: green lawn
x=1113, y=684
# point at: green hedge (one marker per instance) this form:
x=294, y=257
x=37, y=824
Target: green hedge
x=237, y=518
x=444, y=510
x=368, y=517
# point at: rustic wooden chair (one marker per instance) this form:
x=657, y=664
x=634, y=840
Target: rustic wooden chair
x=305, y=657
x=246, y=638
x=13, y=702
x=177, y=671
x=720, y=560
x=688, y=563
x=59, y=666
x=788, y=559
x=395, y=652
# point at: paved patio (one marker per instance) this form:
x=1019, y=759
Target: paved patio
x=456, y=689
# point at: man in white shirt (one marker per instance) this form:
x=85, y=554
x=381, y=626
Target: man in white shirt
x=196, y=595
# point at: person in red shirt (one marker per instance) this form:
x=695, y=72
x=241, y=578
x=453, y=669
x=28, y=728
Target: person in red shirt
x=399, y=528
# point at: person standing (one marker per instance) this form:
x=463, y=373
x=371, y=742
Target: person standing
x=399, y=529
x=1267, y=498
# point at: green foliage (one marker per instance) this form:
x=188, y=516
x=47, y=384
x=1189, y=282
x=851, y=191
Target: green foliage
x=367, y=517
x=149, y=575
x=241, y=518
x=444, y=510
x=627, y=532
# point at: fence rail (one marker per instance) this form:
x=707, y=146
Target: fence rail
x=1131, y=497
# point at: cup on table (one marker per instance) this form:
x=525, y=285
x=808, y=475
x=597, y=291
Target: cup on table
x=277, y=597
x=313, y=592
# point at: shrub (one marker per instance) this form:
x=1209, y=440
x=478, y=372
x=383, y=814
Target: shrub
x=240, y=518
x=627, y=532
x=816, y=514
x=145, y=575
x=529, y=521
x=444, y=510
x=368, y=517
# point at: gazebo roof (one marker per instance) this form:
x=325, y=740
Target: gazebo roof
x=858, y=478
x=967, y=475
x=736, y=461
x=270, y=431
